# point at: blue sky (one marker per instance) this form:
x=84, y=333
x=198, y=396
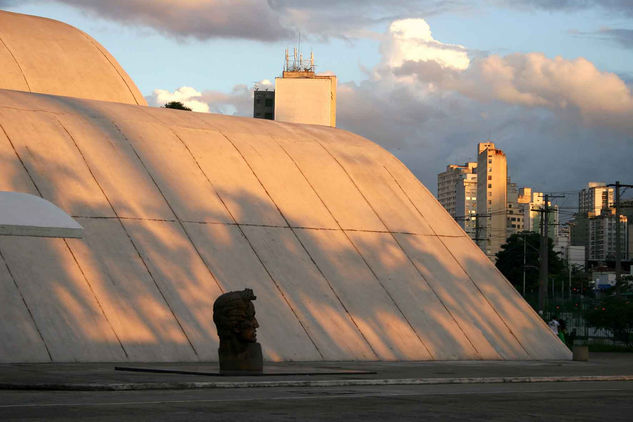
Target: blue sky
x=548, y=81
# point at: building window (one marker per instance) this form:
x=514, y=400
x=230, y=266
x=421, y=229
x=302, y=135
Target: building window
x=489, y=185
x=490, y=177
x=269, y=102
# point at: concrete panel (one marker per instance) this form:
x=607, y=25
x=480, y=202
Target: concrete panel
x=373, y=310
x=17, y=329
x=311, y=297
x=232, y=179
x=183, y=278
x=134, y=305
x=58, y=59
x=179, y=178
x=54, y=162
x=235, y=266
x=477, y=319
x=423, y=200
x=63, y=306
x=12, y=76
x=379, y=188
x=283, y=181
x=526, y=325
x=433, y=323
x=116, y=167
x=22, y=214
x=13, y=176
x=345, y=203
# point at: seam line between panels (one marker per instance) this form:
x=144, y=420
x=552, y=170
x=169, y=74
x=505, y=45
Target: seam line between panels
x=138, y=252
x=371, y=270
x=437, y=295
x=26, y=305
x=485, y=297
x=17, y=63
x=105, y=56
x=83, y=274
x=393, y=234
x=281, y=291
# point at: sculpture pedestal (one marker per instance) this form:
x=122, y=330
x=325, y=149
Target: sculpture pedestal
x=248, y=362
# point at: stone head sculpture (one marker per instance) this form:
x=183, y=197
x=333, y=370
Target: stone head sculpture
x=234, y=318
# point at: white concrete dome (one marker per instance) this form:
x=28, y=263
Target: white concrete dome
x=350, y=256
x=51, y=57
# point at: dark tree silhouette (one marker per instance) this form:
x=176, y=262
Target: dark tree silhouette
x=177, y=105
x=510, y=260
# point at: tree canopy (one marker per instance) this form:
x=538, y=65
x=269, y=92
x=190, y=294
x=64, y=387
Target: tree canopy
x=177, y=105
x=510, y=260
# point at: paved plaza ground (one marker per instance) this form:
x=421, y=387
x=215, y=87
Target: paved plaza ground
x=600, y=389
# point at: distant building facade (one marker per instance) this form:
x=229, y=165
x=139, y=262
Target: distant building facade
x=514, y=213
x=492, y=195
x=264, y=104
x=457, y=192
x=594, y=226
x=302, y=96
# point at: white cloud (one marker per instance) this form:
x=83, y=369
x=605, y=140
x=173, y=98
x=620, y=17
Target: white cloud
x=186, y=95
x=573, y=89
x=411, y=40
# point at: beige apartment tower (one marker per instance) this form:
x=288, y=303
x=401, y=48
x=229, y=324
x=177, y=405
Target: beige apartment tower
x=302, y=96
x=457, y=192
x=492, y=180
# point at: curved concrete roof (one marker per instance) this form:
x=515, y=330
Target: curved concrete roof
x=351, y=258
x=51, y=57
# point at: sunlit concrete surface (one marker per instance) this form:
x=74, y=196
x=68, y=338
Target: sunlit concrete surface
x=350, y=256
x=22, y=214
x=44, y=55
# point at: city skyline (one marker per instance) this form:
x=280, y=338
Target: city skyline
x=550, y=85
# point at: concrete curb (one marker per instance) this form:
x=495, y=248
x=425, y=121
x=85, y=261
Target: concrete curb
x=309, y=383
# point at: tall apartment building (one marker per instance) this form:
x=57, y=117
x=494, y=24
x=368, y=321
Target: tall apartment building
x=602, y=240
x=594, y=226
x=492, y=194
x=514, y=213
x=530, y=202
x=595, y=198
x=302, y=96
x=457, y=192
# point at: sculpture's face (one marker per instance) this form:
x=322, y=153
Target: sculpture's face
x=247, y=330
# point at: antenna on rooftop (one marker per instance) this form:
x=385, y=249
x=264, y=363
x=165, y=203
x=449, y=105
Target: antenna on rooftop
x=298, y=64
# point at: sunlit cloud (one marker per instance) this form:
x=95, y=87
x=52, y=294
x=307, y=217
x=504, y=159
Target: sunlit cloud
x=411, y=40
x=186, y=95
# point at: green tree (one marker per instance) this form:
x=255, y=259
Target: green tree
x=177, y=105
x=510, y=260
x=615, y=313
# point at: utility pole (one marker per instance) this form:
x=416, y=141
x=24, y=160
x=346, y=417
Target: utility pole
x=618, y=229
x=477, y=239
x=544, y=251
x=524, y=262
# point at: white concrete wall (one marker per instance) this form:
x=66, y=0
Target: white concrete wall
x=350, y=257
x=306, y=100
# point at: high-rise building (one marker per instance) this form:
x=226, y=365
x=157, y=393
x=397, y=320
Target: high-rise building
x=595, y=198
x=492, y=193
x=302, y=96
x=457, y=192
x=264, y=104
x=594, y=226
x=514, y=213
x=602, y=239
